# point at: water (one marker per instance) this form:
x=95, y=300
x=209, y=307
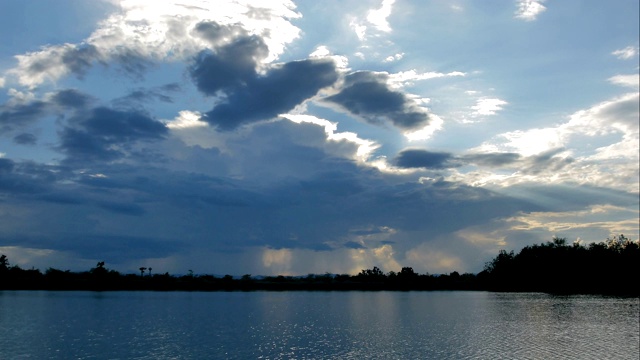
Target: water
x=316, y=325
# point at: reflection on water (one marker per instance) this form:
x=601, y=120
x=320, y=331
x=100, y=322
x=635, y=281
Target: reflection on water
x=316, y=325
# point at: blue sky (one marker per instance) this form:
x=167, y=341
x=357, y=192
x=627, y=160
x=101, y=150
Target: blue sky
x=277, y=137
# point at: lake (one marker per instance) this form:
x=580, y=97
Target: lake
x=316, y=325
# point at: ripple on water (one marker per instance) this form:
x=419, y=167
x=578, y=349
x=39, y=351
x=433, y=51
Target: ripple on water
x=316, y=325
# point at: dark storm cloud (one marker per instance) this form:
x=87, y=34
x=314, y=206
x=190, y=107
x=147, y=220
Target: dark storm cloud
x=92, y=135
x=545, y=162
x=319, y=219
x=230, y=71
x=76, y=59
x=179, y=189
x=281, y=89
x=27, y=182
x=353, y=245
x=120, y=126
x=113, y=249
x=122, y=208
x=230, y=66
x=441, y=207
x=79, y=59
x=425, y=159
x=26, y=178
x=325, y=204
x=493, y=159
x=6, y=166
x=15, y=116
x=171, y=87
x=71, y=98
x=25, y=139
x=19, y=115
x=132, y=62
x=367, y=95
x=136, y=97
x=215, y=33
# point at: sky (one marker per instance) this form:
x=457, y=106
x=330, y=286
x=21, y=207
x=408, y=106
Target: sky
x=295, y=137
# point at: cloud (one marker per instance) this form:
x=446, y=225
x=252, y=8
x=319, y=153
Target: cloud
x=23, y=111
x=392, y=58
x=406, y=78
x=488, y=106
x=280, y=185
x=283, y=87
x=15, y=116
x=433, y=259
x=137, y=97
x=25, y=139
x=493, y=159
x=141, y=34
x=378, y=17
x=550, y=161
x=238, y=162
x=367, y=95
x=529, y=10
x=70, y=98
x=54, y=62
x=104, y=134
x=424, y=159
x=231, y=66
x=627, y=53
x=611, y=126
x=631, y=81
x=365, y=148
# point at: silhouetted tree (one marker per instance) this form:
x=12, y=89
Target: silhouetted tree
x=4, y=263
x=142, y=269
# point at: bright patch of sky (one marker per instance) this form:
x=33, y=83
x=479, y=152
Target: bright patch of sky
x=289, y=137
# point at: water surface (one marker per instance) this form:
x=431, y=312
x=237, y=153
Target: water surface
x=316, y=325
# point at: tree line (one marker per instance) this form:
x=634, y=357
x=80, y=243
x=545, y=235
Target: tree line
x=608, y=267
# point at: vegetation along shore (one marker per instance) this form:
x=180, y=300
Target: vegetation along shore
x=608, y=267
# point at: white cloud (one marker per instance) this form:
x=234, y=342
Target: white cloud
x=627, y=53
x=405, y=78
x=186, y=120
x=632, y=80
x=616, y=115
x=365, y=147
x=529, y=10
x=594, y=217
x=323, y=52
x=37, y=67
x=188, y=127
x=359, y=29
x=488, y=106
x=435, y=124
x=529, y=142
x=601, y=122
x=158, y=31
x=378, y=17
x=392, y=58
